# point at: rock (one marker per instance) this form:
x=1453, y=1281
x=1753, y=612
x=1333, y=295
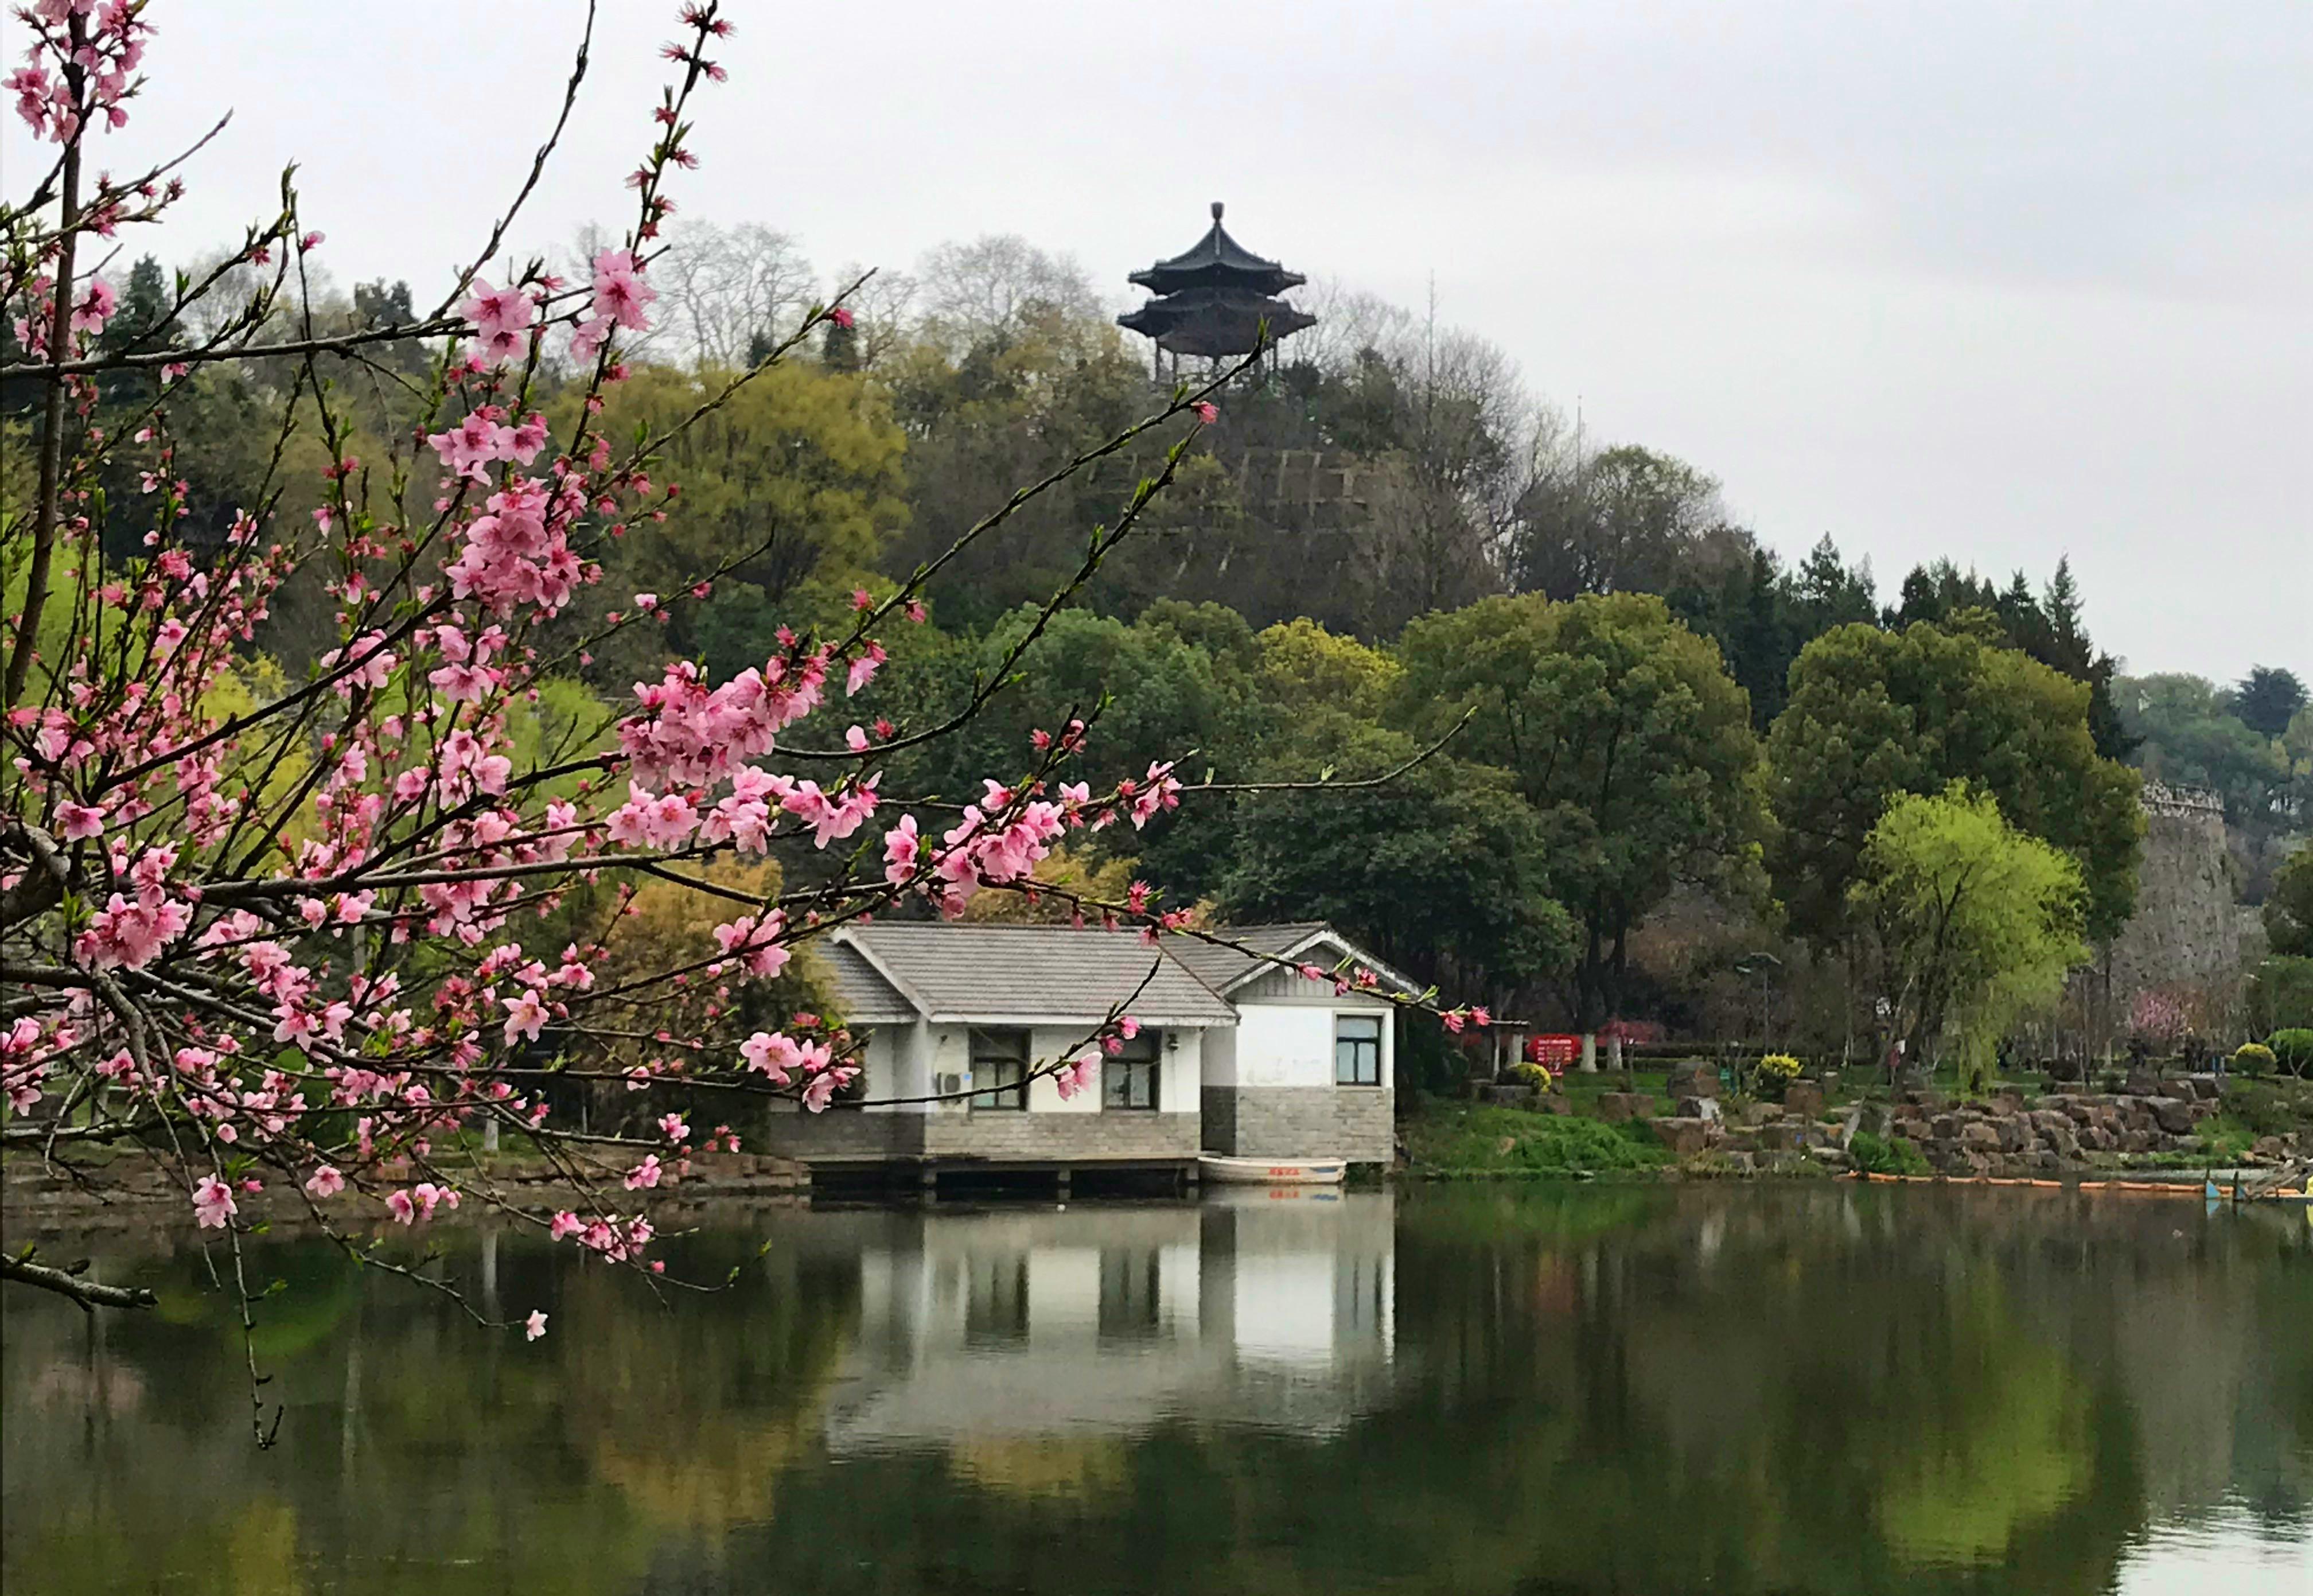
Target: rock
x=2097, y=1139
x=1694, y=1080
x=2009, y=1099
x=2015, y=1132
x=1944, y=1128
x=2056, y=1131
x=1698, y=1108
x=2080, y=1111
x=2207, y=1087
x=2136, y=1141
x=2140, y=1083
x=1803, y=1098
x=1979, y=1135
x=2267, y=1150
x=1780, y=1137
x=1614, y=1107
x=1506, y=1146
x=1683, y=1137
x=2172, y=1115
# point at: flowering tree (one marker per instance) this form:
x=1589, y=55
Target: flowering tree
x=312, y=938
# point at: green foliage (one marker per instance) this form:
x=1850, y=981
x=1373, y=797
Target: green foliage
x=1533, y=1075
x=1622, y=733
x=1447, y=862
x=2289, y=908
x=1886, y=1155
x=2281, y=994
x=2190, y=733
x=2269, y=1107
x=2268, y=700
x=794, y=477
x=2292, y=1050
x=1877, y=714
x=1970, y=923
x=2253, y=1058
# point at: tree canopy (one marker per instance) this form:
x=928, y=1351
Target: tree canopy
x=1969, y=922
x=1875, y=715
x=1622, y=730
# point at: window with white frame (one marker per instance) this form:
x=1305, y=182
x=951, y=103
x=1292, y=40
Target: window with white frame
x=1357, y=1050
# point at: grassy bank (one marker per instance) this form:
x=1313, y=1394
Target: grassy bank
x=1449, y=1140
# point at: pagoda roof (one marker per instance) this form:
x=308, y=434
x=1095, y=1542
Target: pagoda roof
x=1216, y=260
x=1214, y=323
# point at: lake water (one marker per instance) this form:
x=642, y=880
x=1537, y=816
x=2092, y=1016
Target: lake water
x=1647, y=1389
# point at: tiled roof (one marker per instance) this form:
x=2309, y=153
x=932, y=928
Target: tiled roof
x=1033, y=972
x=862, y=997
x=1225, y=967
x=1220, y=967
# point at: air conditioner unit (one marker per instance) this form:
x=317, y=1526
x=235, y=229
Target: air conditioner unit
x=950, y=1083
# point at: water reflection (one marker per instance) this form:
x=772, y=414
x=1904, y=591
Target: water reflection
x=1254, y=1308
x=1826, y=1388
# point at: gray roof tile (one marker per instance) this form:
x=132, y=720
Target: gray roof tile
x=862, y=996
x=1019, y=972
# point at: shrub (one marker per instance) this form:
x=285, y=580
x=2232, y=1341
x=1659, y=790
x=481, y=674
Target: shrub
x=2293, y=1050
x=2265, y=1108
x=1533, y=1075
x=1775, y=1071
x=1886, y=1155
x=2253, y=1058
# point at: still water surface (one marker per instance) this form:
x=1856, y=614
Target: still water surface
x=1823, y=1388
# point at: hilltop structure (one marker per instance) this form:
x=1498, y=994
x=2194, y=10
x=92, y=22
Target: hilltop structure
x=1215, y=301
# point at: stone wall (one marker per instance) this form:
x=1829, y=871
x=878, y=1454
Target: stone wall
x=1355, y=1123
x=2186, y=928
x=1112, y=1133
x=840, y=1133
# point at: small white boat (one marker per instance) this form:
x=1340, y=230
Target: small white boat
x=1231, y=1171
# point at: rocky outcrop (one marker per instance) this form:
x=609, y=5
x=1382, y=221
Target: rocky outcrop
x=2005, y=1137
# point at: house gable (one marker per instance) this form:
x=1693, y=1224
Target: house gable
x=1243, y=966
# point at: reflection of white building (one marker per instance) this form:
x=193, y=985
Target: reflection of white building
x=1015, y=1324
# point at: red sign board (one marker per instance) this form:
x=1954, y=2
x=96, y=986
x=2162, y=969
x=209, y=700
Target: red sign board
x=1555, y=1051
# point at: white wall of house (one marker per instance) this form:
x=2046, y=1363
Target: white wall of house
x=916, y=1056
x=1290, y=1044
x=898, y=1062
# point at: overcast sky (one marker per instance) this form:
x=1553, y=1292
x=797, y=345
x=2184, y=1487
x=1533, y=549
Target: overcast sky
x=1993, y=280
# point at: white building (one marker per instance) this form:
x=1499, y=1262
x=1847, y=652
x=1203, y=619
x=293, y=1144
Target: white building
x=1238, y=1051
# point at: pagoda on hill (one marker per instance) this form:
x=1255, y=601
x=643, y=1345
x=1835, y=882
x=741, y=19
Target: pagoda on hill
x=1213, y=301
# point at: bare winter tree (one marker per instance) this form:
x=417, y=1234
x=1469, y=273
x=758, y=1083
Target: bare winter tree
x=730, y=293
x=987, y=289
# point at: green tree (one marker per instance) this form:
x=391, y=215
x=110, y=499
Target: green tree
x=2267, y=699
x=1969, y=922
x=2189, y=733
x=1180, y=690
x=797, y=478
x=2289, y=908
x=1441, y=872
x=1877, y=714
x=1623, y=732
x=1626, y=520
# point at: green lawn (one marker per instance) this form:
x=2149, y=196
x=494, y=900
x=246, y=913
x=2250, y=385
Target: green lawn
x=1448, y=1139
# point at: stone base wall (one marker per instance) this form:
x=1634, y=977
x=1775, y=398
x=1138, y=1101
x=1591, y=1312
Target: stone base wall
x=1114, y=1134
x=1358, y=1123
x=840, y=1133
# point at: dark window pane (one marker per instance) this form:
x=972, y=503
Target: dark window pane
x=1129, y=1079
x=999, y=1068
x=1357, y=1050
